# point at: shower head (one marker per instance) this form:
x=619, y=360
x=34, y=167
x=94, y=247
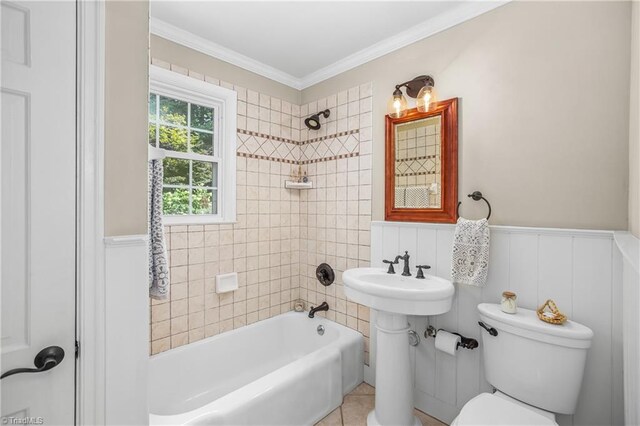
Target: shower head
x=313, y=122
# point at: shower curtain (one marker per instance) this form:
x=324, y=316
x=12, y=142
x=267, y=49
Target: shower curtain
x=158, y=265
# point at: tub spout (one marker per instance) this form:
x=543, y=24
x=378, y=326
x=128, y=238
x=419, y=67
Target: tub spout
x=324, y=306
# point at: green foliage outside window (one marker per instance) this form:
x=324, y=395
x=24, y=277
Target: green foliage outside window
x=175, y=201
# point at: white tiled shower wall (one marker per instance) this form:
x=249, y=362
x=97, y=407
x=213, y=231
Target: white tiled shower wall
x=335, y=216
x=281, y=235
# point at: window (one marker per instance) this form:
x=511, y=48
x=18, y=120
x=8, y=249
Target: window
x=194, y=122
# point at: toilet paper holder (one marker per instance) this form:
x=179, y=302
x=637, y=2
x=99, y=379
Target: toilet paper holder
x=465, y=342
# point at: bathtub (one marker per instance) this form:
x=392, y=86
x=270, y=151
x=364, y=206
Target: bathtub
x=279, y=371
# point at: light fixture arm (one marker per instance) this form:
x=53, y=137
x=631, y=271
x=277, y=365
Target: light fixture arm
x=413, y=86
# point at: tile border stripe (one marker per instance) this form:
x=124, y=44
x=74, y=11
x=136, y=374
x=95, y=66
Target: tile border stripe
x=265, y=136
x=424, y=157
x=264, y=157
x=416, y=174
x=332, y=136
x=300, y=143
x=302, y=162
x=334, y=157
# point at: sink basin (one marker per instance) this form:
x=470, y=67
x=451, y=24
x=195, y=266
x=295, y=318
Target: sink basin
x=394, y=297
x=394, y=293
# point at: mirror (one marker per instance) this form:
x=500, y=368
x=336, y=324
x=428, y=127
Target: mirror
x=417, y=164
x=421, y=165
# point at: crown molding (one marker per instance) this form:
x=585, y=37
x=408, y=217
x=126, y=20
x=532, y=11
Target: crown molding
x=195, y=42
x=446, y=20
x=439, y=23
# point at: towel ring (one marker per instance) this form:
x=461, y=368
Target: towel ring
x=477, y=196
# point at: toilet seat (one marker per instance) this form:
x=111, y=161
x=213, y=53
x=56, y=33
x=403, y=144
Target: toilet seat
x=489, y=409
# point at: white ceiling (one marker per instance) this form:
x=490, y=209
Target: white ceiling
x=301, y=43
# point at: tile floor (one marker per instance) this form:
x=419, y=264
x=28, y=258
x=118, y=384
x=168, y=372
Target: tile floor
x=357, y=405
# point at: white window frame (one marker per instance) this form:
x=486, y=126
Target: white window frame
x=224, y=101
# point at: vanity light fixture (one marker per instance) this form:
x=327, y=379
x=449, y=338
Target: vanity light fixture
x=422, y=88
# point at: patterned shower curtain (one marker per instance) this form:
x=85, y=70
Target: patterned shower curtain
x=158, y=265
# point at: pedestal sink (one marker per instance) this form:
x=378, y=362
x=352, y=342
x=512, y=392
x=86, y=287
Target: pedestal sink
x=394, y=297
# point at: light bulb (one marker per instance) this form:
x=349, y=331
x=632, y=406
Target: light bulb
x=427, y=99
x=397, y=105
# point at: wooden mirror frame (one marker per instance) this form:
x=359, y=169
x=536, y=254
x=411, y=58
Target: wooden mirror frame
x=448, y=112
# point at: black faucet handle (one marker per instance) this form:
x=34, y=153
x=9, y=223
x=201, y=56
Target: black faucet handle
x=420, y=274
x=391, y=263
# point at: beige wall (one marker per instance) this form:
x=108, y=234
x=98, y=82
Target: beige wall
x=544, y=110
x=634, y=125
x=532, y=78
x=199, y=62
x=126, y=91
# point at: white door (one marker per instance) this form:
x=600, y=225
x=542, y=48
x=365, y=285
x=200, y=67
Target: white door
x=38, y=160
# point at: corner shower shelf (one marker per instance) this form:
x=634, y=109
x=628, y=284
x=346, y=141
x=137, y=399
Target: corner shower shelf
x=289, y=184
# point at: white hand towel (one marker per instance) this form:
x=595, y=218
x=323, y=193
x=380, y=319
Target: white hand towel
x=470, y=263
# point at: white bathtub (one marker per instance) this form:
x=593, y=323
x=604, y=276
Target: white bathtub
x=278, y=371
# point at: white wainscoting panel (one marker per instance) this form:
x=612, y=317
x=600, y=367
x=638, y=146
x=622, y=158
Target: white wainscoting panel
x=630, y=248
x=579, y=269
x=127, y=330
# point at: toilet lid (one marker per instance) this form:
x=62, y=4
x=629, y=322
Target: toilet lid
x=490, y=409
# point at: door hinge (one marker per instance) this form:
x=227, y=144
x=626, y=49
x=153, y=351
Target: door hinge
x=77, y=349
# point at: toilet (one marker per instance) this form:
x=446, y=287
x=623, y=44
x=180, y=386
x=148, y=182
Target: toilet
x=535, y=367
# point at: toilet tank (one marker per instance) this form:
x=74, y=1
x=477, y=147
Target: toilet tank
x=535, y=362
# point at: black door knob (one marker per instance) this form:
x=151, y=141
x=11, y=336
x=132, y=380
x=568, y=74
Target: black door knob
x=45, y=360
